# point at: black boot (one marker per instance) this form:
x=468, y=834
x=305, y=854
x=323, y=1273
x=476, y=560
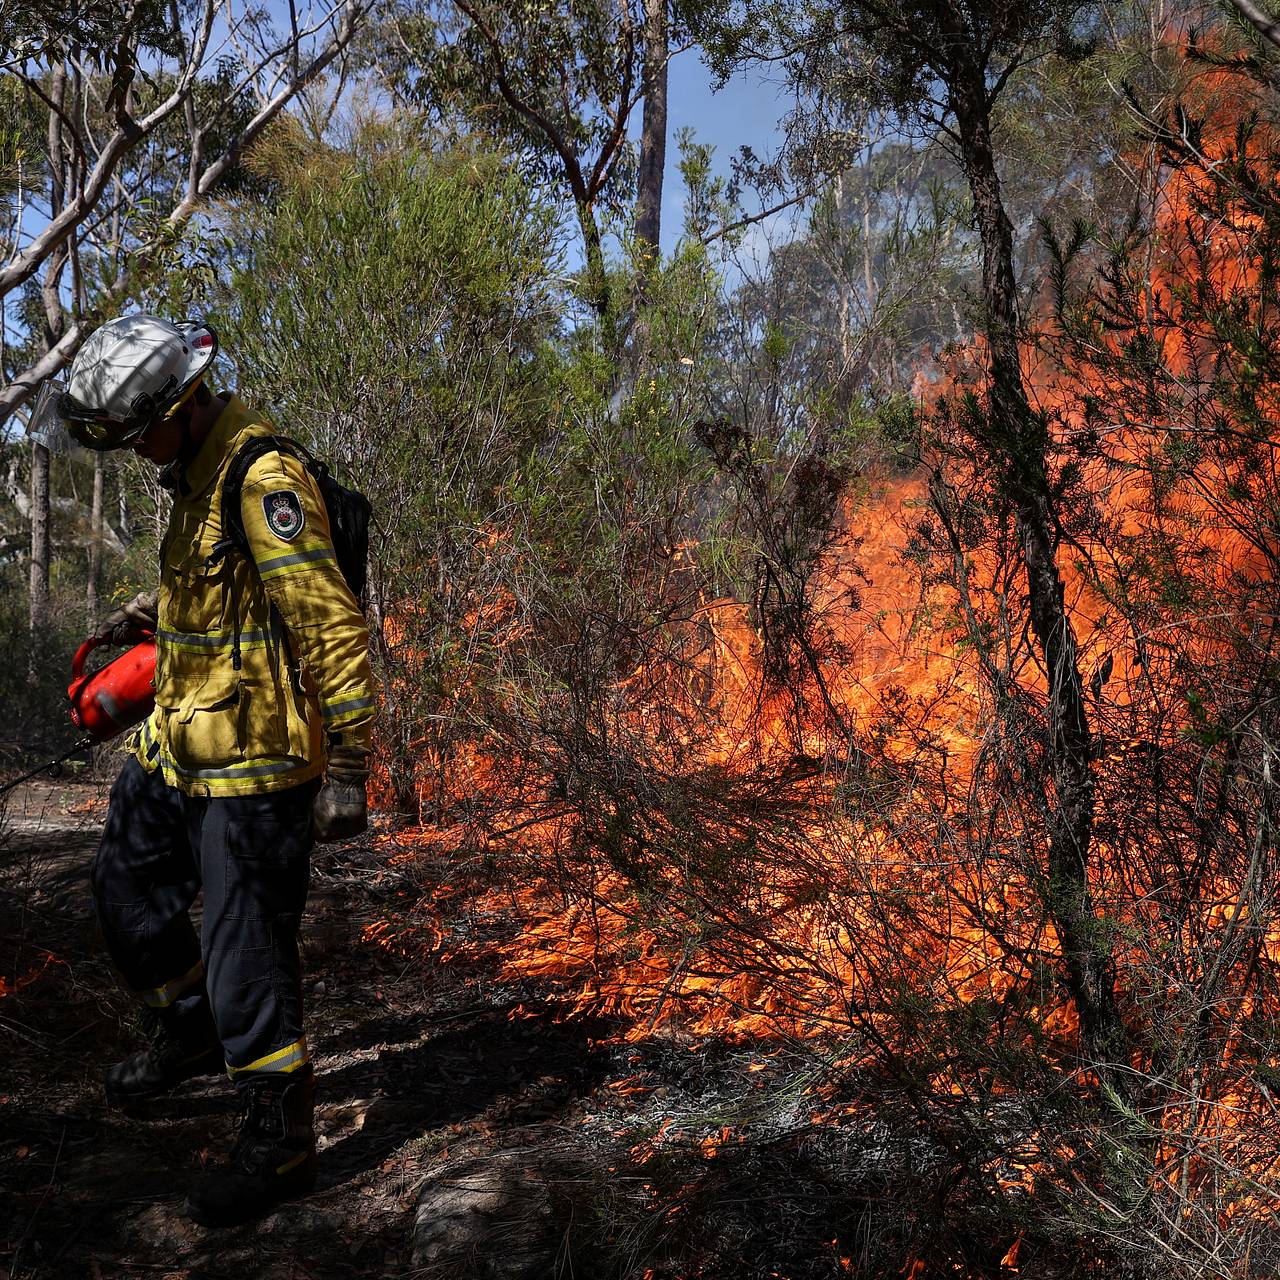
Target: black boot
x=274, y=1157
x=183, y=1045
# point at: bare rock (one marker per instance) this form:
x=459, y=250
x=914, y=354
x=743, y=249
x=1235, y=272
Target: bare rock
x=487, y=1216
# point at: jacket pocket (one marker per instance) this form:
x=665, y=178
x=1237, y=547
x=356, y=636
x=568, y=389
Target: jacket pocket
x=202, y=726
x=192, y=595
x=269, y=723
x=226, y=719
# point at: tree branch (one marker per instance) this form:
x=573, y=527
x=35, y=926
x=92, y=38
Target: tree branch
x=730, y=227
x=128, y=133
x=1265, y=26
x=57, y=357
x=573, y=170
x=22, y=387
x=610, y=148
x=211, y=175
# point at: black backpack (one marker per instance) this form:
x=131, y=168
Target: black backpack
x=349, y=511
x=349, y=515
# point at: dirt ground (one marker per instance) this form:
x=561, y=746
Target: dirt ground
x=408, y=1062
x=465, y=1128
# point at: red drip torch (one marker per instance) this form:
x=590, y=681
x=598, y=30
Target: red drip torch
x=105, y=702
x=116, y=697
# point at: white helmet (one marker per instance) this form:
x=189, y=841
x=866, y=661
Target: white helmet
x=130, y=372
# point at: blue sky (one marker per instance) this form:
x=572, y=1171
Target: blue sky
x=745, y=112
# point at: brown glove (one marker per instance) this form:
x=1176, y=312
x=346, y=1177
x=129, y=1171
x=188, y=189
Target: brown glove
x=341, y=810
x=130, y=623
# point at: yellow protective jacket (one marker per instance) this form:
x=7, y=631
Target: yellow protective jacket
x=304, y=674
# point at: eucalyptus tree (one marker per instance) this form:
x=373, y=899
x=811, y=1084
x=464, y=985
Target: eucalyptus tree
x=557, y=84
x=42, y=29
x=942, y=67
x=146, y=110
x=139, y=133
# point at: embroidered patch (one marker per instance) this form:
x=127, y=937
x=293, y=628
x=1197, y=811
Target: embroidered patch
x=284, y=514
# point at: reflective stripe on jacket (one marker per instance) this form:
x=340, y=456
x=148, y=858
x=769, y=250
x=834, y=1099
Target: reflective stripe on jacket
x=304, y=673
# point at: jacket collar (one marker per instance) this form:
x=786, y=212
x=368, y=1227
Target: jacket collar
x=203, y=469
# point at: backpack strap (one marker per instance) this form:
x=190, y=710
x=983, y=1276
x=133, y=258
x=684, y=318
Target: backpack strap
x=234, y=537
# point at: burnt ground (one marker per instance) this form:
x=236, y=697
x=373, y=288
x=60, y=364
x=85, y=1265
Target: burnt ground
x=465, y=1130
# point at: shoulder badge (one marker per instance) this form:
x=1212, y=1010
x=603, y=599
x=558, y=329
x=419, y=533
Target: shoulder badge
x=284, y=514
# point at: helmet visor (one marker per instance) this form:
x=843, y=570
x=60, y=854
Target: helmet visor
x=59, y=422
x=46, y=425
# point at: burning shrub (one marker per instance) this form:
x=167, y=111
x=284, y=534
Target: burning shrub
x=890, y=868
x=961, y=779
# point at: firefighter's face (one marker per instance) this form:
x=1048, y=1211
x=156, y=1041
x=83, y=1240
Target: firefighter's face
x=161, y=441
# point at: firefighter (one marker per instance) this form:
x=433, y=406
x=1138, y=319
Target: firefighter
x=258, y=745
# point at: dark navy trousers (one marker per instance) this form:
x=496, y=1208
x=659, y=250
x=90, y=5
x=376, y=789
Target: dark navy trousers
x=251, y=856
